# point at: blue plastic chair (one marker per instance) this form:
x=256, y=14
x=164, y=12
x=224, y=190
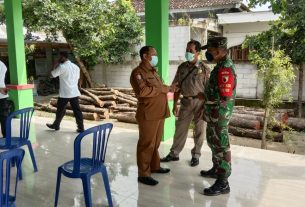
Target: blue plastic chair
x=9, y=142
x=84, y=167
x=6, y=159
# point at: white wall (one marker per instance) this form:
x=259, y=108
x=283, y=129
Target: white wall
x=179, y=36
x=236, y=33
x=247, y=81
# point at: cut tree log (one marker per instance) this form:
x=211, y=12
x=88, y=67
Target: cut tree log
x=125, y=96
x=108, y=97
x=95, y=98
x=255, y=134
x=84, y=71
x=88, y=116
x=127, y=118
x=123, y=109
x=100, y=93
x=108, y=104
x=297, y=124
x=86, y=108
x=249, y=117
x=245, y=123
x=84, y=102
x=123, y=100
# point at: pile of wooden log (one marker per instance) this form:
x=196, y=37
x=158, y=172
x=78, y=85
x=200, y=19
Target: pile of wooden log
x=101, y=103
x=249, y=122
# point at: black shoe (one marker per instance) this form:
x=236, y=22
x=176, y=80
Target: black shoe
x=52, y=126
x=147, y=181
x=209, y=174
x=80, y=130
x=220, y=187
x=161, y=170
x=169, y=158
x=194, y=162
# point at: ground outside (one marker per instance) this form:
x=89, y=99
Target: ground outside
x=260, y=178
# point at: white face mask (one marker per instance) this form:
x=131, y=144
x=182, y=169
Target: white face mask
x=154, y=61
x=189, y=56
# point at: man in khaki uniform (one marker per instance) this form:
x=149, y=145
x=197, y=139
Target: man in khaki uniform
x=151, y=113
x=191, y=78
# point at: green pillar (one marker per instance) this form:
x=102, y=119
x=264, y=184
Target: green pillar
x=21, y=93
x=157, y=29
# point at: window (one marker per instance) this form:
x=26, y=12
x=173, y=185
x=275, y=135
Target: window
x=239, y=54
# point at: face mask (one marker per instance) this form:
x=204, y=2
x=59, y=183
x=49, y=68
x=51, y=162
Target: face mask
x=209, y=56
x=154, y=61
x=189, y=56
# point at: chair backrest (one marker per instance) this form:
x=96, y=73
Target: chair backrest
x=25, y=117
x=6, y=159
x=100, y=135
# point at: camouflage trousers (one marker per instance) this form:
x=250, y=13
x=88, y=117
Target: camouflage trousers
x=218, y=141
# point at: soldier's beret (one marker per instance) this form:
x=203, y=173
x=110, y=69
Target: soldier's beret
x=216, y=42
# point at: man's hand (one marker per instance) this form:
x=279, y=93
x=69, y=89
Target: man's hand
x=173, y=88
x=200, y=96
x=175, y=110
x=3, y=91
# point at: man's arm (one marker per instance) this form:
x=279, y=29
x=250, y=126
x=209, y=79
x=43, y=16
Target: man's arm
x=56, y=72
x=226, y=84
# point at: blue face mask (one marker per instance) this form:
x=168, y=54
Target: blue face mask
x=189, y=56
x=154, y=61
x=209, y=56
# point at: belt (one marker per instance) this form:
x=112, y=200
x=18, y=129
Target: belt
x=190, y=97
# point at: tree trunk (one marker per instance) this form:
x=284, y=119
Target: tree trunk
x=81, y=65
x=96, y=99
x=300, y=93
x=123, y=100
x=297, y=124
x=127, y=118
x=245, y=123
x=265, y=128
x=84, y=71
x=255, y=134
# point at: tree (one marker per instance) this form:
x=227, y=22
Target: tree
x=289, y=32
x=96, y=30
x=277, y=73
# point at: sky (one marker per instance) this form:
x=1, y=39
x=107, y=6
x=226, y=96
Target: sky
x=262, y=8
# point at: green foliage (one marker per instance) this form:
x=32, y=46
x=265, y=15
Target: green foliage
x=288, y=31
x=277, y=74
x=97, y=30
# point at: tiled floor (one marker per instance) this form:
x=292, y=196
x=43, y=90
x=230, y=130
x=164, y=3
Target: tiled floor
x=259, y=179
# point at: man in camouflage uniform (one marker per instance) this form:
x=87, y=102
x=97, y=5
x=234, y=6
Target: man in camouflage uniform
x=191, y=79
x=220, y=95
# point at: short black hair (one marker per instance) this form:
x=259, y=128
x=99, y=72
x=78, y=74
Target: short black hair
x=197, y=45
x=64, y=54
x=145, y=50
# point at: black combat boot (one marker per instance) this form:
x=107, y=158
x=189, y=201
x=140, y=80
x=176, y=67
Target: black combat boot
x=211, y=173
x=221, y=186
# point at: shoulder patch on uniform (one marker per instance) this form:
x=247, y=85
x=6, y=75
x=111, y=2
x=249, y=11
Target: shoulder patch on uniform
x=138, y=76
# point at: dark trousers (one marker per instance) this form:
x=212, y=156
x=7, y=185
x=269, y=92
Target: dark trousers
x=4, y=112
x=61, y=110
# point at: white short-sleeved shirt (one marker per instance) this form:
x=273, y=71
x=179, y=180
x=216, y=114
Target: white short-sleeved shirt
x=3, y=70
x=68, y=74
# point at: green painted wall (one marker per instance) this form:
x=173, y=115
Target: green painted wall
x=18, y=75
x=157, y=29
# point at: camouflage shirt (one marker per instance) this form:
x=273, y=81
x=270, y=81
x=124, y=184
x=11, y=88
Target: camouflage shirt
x=220, y=93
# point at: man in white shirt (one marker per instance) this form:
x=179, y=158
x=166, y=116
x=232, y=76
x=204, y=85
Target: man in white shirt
x=68, y=74
x=4, y=108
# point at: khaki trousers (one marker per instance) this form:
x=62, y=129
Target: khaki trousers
x=150, y=133
x=190, y=110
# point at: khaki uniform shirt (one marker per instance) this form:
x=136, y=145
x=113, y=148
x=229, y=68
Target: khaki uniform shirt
x=192, y=79
x=151, y=94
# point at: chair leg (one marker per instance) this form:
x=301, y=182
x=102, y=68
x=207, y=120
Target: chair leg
x=57, y=187
x=107, y=187
x=32, y=156
x=87, y=190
